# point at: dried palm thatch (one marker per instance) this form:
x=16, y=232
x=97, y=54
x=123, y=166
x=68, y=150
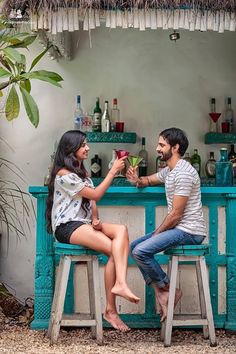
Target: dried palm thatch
x=35, y=5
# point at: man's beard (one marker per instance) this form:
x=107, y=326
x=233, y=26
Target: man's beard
x=166, y=156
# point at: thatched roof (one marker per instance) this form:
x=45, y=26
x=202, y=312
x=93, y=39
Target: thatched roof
x=212, y=5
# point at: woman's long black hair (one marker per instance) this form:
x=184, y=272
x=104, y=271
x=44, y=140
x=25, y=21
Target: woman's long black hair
x=70, y=142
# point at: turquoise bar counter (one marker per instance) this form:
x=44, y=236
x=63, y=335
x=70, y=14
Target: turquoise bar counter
x=149, y=198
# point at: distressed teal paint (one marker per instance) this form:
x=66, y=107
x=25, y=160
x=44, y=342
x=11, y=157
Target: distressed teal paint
x=149, y=198
x=231, y=261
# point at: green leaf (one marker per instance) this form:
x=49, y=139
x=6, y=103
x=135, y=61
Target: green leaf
x=1, y=93
x=4, y=73
x=12, y=54
x=16, y=43
x=38, y=58
x=12, y=104
x=44, y=73
x=30, y=107
x=26, y=85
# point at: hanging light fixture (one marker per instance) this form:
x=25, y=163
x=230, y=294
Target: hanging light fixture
x=174, y=36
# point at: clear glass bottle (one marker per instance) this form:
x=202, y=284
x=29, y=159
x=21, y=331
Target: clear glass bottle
x=196, y=161
x=160, y=164
x=96, y=166
x=229, y=115
x=224, y=170
x=144, y=163
x=78, y=115
x=106, y=123
x=97, y=115
x=210, y=167
x=115, y=112
x=113, y=159
x=187, y=157
x=232, y=158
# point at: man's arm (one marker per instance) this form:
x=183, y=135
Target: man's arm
x=144, y=181
x=175, y=216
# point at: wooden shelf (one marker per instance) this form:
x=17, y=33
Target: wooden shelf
x=111, y=137
x=220, y=138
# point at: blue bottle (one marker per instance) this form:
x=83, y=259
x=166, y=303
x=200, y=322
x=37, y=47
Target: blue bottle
x=224, y=170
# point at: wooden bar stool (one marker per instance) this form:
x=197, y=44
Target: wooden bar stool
x=196, y=254
x=74, y=253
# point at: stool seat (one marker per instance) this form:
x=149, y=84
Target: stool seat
x=188, y=250
x=75, y=250
x=189, y=254
x=68, y=253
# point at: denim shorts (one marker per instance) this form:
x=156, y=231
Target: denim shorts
x=63, y=232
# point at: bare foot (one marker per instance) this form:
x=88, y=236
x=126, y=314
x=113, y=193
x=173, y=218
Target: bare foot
x=116, y=322
x=125, y=292
x=163, y=306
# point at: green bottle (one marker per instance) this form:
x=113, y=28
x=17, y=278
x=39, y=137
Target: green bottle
x=97, y=115
x=196, y=161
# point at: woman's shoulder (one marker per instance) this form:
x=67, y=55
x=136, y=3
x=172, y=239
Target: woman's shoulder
x=63, y=172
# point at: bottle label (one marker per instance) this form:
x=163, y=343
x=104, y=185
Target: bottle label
x=95, y=167
x=97, y=119
x=196, y=166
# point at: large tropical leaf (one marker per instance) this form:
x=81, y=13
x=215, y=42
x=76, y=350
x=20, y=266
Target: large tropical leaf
x=4, y=73
x=26, y=85
x=39, y=74
x=30, y=107
x=16, y=43
x=12, y=54
x=12, y=104
x=37, y=59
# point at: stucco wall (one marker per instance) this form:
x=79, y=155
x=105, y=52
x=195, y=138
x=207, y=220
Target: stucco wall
x=158, y=84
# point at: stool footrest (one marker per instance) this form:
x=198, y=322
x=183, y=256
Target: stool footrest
x=190, y=322
x=78, y=320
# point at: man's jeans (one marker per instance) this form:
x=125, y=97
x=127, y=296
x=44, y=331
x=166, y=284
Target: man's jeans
x=144, y=249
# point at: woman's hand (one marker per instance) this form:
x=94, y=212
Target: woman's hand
x=118, y=165
x=132, y=175
x=97, y=224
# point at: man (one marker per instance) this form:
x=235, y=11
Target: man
x=184, y=223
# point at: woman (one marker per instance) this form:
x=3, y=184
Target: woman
x=73, y=218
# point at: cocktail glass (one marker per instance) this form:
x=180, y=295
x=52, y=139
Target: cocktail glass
x=214, y=118
x=134, y=160
x=120, y=154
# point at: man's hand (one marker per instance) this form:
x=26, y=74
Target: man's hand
x=132, y=175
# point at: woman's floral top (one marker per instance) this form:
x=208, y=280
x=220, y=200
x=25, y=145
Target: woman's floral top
x=67, y=202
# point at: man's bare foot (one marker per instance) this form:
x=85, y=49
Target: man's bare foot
x=163, y=306
x=114, y=319
x=125, y=292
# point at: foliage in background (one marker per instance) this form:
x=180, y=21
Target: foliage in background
x=15, y=204
x=15, y=78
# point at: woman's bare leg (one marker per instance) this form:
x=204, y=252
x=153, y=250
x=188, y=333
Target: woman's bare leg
x=110, y=313
x=120, y=250
x=88, y=237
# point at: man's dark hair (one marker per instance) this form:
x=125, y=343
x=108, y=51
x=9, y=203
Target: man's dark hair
x=176, y=136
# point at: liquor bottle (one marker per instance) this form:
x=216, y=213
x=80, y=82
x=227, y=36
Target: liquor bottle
x=210, y=167
x=78, y=115
x=224, y=170
x=115, y=112
x=187, y=157
x=97, y=115
x=232, y=158
x=96, y=166
x=229, y=115
x=160, y=164
x=144, y=163
x=196, y=161
x=106, y=124
x=113, y=159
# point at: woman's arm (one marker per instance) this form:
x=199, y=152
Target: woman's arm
x=96, y=222
x=98, y=192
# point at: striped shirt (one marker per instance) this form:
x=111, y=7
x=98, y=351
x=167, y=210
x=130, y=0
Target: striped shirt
x=184, y=180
